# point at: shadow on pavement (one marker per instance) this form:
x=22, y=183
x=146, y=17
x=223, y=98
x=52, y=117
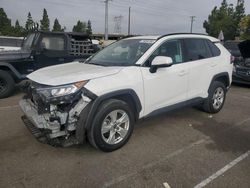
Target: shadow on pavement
x=226, y=137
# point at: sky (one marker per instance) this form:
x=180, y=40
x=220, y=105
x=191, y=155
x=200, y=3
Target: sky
x=153, y=17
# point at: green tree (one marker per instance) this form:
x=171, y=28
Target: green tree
x=29, y=23
x=5, y=23
x=57, y=26
x=89, y=28
x=80, y=27
x=18, y=30
x=225, y=18
x=45, y=21
x=239, y=14
x=245, y=28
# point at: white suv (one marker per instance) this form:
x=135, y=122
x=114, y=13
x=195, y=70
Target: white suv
x=101, y=98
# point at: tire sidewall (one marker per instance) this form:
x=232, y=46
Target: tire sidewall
x=10, y=84
x=98, y=120
x=216, y=85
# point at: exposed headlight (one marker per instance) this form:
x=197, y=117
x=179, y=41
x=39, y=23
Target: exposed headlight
x=60, y=91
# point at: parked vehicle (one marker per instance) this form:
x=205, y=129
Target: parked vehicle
x=10, y=43
x=241, y=73
x=241, y=53
x=41, y=49
x=130, y=79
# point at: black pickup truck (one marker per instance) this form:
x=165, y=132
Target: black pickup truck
x=41, y=49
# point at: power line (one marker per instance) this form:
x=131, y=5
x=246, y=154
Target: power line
x=151, y=11
x=118, y=23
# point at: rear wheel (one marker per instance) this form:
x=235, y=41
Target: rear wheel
x=216, y=98
x=7, y=84
x=112, y=126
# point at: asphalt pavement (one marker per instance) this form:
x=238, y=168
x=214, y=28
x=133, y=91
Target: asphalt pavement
x=184, y=148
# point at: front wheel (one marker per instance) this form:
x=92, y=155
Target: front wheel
x=7, y=84
x=216, y=98
x=112, y=126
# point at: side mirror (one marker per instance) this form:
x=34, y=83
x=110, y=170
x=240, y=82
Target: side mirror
x=160, y=62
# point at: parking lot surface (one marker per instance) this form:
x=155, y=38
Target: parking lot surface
x=185, y=148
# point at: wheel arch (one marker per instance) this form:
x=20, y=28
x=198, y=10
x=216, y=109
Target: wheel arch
x=221, y=77
x=127, y=95
x=14, y=73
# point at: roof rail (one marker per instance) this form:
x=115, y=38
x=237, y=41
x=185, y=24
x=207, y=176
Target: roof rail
x=181, y=34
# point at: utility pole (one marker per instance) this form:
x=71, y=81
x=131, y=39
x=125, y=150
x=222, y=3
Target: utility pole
x=129, y=15
x=192, y=22
x=106, y=18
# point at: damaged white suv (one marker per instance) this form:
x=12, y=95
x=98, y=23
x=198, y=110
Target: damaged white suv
x=101, y=99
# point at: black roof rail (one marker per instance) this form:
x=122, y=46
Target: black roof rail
x=181, y=34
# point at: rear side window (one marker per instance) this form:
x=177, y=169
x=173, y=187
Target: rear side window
x=197, y=49
x=53, y=43
x=214, y=49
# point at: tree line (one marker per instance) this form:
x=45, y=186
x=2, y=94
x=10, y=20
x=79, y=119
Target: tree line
x=7, y=29
x=230, y=19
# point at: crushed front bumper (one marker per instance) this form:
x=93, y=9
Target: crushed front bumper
x=57, y=131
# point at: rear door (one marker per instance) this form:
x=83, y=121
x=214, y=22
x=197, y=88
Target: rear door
x=202, y=66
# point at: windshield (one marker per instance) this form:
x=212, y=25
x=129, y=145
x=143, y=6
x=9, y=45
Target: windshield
x=28, y=41
x=122, y=53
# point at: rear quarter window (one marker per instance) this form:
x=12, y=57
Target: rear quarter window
x=214, y=49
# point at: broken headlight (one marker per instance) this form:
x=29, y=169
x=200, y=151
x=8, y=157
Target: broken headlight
x=60, y=91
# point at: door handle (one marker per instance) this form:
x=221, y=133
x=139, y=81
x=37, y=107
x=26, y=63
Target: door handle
x=182, y=73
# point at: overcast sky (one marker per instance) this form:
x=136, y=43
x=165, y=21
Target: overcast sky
x=147, y=17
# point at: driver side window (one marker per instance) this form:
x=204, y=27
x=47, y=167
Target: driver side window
x=172, y=48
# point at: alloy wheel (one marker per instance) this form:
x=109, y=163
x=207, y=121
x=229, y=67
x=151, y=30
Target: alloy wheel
x=115, y=127
x=218, y=98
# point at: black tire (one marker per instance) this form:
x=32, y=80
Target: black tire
x=95, y=136
x=208, y=105
x=7, y=84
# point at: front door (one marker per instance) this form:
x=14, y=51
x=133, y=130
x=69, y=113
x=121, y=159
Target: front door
x=167, y=86
x=53, y=50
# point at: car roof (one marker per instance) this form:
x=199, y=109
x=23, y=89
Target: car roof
x=181, y=35
x=149, y=37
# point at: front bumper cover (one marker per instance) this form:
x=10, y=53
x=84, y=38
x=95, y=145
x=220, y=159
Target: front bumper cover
x=57, y=131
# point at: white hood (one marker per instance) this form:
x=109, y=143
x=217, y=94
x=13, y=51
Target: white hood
x=70, y=73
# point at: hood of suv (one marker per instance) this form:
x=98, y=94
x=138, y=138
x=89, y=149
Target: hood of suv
x=70, y=73
x=245, y=48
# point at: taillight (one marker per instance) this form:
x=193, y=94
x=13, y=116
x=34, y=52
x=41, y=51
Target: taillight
x=232, y=58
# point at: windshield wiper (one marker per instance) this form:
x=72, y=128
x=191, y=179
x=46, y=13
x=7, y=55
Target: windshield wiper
x=94, y=64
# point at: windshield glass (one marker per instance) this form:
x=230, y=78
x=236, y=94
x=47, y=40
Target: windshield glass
x=122, y=53
x=28, y=41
